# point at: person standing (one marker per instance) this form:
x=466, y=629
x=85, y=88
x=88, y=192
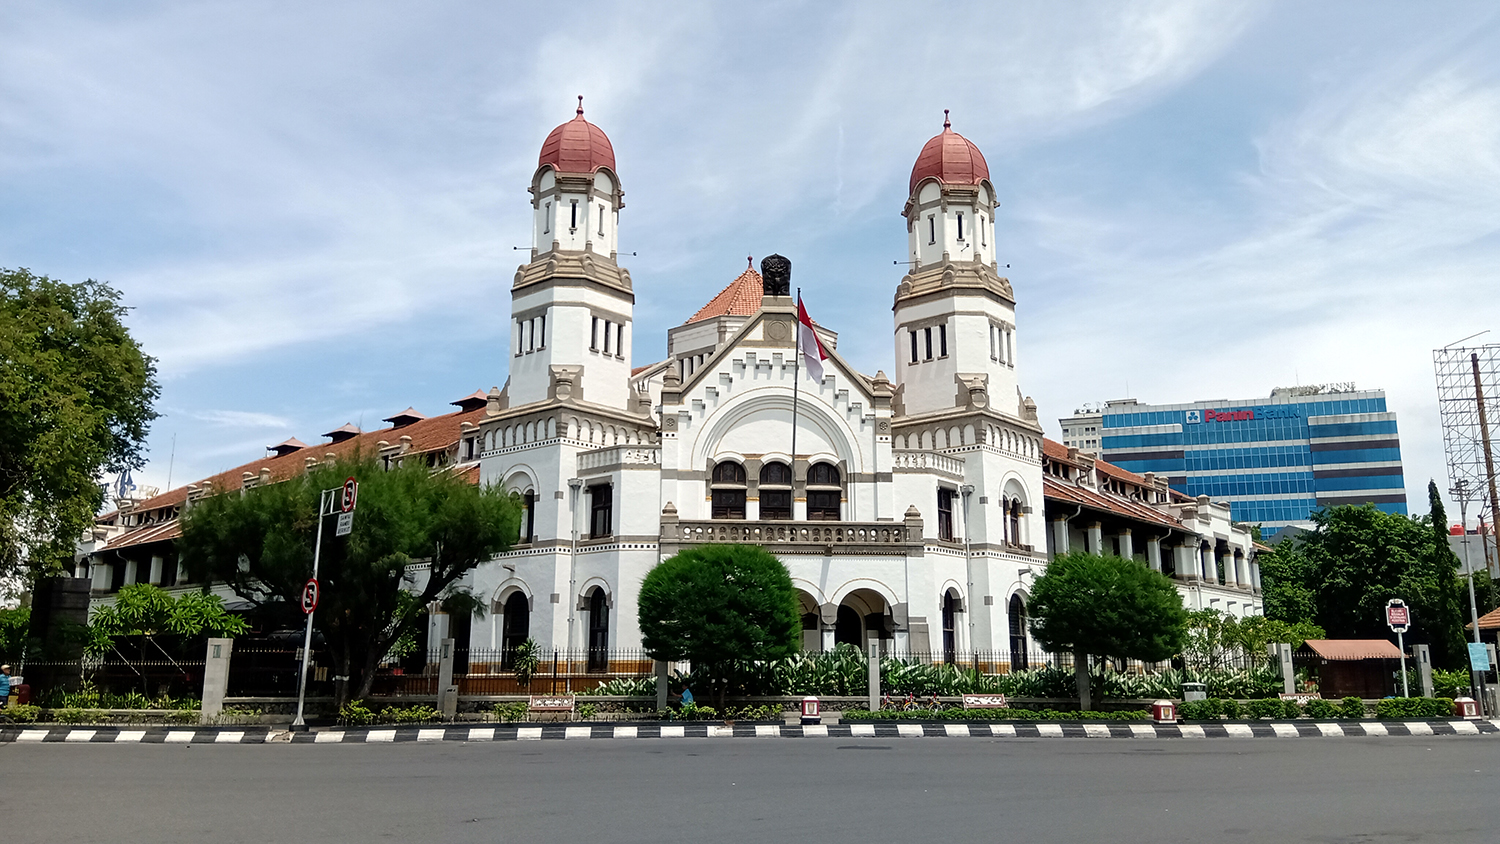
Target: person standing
x=4, y=686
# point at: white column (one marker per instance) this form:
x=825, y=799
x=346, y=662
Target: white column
x=1095, y=538
x=1231, y=575
x=1153, y=553
x=1060, y=535
x=1127, y=544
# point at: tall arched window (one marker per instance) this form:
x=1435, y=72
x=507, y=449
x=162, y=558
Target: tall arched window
x=728, y=490
x=598, y=609
x=1014, y=521
x=775, y=491
x=1018, y=642
x=950, y=627
x=516, y=621
x=528, y=526
x=825, y=492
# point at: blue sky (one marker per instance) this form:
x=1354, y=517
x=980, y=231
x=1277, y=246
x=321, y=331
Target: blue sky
x=312, y=207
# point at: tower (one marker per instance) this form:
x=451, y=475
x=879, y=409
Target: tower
x=954, y=314
x=571, y=305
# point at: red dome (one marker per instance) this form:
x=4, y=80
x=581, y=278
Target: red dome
x=577, y=146
x=951, y=159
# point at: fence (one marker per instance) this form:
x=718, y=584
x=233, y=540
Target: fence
x=111, y=677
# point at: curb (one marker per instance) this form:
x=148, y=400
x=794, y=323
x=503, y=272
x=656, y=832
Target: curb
x=1009, y=730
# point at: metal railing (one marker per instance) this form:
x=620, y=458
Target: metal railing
x=882, y=535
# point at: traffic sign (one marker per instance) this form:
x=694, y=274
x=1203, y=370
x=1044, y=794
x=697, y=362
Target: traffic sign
x=345, y=524
x=1479, y=657
x=351, y=492
x=1397, y=615
x=310, y=594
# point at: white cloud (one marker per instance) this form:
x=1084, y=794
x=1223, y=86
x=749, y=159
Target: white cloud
x=241, y=419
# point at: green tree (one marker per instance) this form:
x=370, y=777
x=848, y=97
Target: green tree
x=14, y=625
x=148, y=611
x=1446, y=629
x=261, y=545
x=1106, y=606
x=1340, y=575
x=75, y=401
x=719, y=606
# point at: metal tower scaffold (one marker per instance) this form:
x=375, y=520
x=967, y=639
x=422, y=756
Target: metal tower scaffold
x=1468, y=384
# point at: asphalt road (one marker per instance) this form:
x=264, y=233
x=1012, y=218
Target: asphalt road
x=1360, y=791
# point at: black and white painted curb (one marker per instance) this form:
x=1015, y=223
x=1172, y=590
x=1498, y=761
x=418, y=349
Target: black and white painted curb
x=1022, y=730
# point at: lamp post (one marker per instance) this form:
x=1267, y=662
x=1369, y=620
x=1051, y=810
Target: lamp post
x=1461, y=493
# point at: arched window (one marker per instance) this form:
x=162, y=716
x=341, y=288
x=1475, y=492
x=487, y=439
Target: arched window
x=776, y=491
x=528, y=526
x=1018, y=643
x=728, y=490
x=598, y=609
x=950, y=627
x=516, y=621
x=824, y=493
x=1014, y=521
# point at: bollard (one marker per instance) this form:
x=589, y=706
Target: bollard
x=811, y=711
x=1164, y=712
x=1465, y=707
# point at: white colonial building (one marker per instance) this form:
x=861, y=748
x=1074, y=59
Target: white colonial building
x=911, y=510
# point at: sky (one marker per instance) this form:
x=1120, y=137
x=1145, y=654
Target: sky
x=313, y=209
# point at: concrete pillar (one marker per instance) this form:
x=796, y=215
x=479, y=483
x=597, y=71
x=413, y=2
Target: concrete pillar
x=1095, y=538
x=1153, y=553
x=1187, y=562
x=180, y=576
x=215, y=679
x=1423, y=655
x=156, y=570
x=661, y=685
x=1255, y=575
x=131, y=570
x=1127, y=544
x=1060, y=536
x=447, y=692
x=874, y=676
x=1231, y=575
x=1288, y=671
x=1209, y=569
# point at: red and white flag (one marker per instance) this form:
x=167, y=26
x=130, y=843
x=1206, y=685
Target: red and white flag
x=813, y=353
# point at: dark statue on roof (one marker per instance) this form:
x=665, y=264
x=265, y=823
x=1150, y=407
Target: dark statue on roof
x=776, y=275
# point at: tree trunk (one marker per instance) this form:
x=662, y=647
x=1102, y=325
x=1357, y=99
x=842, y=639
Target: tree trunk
x=367, y=675
x=1081, y=674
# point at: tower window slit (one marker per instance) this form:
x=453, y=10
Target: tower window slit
x=931, y=229
x=573, y=221
x=942, y=341
x=594, y=335
x=913, y=334
x=601, y=221
x=960, y=225
x=547, y=218
x=927, y=333
x=541, y=332
x=607, y=326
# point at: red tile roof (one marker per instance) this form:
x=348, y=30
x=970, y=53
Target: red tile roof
x=577, y=146
x=431, y=434
x=1353, y=649
x=1488, y=621
x=1065, y=490
x=741, y=298
x=950, y=158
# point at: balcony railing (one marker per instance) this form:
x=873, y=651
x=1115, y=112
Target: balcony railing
x=834, y=537
x=619, y=455
x=929, y=461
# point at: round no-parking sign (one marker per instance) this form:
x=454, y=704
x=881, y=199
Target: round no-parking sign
x=310, y=594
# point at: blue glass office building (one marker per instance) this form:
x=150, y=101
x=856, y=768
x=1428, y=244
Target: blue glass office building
x=1274, y=460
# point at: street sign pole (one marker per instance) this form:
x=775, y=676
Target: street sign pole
x=298, y=723
x=1398, y=618
x=1401, y=645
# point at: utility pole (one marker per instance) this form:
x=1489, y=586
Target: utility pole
x=1461, y=492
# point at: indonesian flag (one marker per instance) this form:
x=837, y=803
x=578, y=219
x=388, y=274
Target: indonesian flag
x=813, y=353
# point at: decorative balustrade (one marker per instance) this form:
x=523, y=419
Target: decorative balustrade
x=619, y=455
x=928, y=461
x=840, y=537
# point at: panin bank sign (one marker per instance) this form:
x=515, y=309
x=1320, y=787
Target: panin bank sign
x=1250, y=414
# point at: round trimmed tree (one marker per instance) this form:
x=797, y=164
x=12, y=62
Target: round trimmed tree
x=719, y=606
x=1107, y=606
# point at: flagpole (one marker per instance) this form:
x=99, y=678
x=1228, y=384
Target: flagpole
x=796, y=378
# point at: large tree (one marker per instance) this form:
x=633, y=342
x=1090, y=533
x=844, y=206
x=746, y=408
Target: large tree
x=261, y=544
x=719, y=606
x=1106, y=606
x=75, y=401
x=1340, y=575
